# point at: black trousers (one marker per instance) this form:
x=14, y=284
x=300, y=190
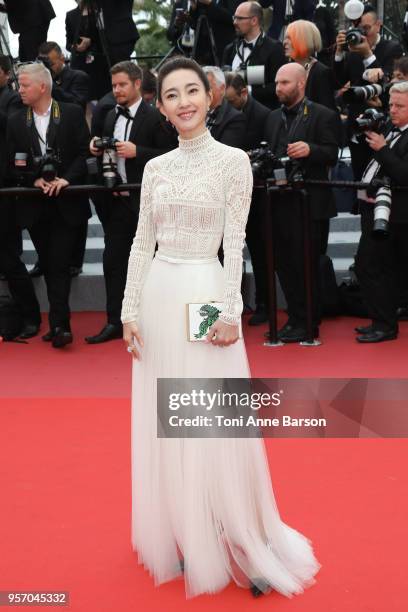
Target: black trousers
x=80, y=245
x=287, y=232
x=120, y=228
x=54, y=241
x=120, y=52
x=380, y=267
x=256, y=241
x=29, y=42
x=19, y=281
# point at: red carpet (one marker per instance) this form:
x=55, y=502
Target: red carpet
x=65, y=482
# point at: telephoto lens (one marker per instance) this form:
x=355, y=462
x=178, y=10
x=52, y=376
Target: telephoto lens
x=382, y=210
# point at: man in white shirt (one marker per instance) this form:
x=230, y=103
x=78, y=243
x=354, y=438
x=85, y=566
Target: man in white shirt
x=141, y=134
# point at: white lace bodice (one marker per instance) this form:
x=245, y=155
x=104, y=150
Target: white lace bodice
x=193, y=198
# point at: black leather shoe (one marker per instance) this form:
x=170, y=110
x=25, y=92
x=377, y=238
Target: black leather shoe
x=29, y=331
x=36, y=271
x=109, y=332
x=288, y=327
x=296, y=334
x=364, y=329
x=377, y=336
x=61, y=337
x=75, y=271
x=402, y=313
x=48, y=336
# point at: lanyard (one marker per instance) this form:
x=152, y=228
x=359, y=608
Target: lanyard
x=244, y=62
x=301, y=114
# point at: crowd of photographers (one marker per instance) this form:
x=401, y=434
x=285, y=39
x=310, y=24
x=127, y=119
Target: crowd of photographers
x=291, y=105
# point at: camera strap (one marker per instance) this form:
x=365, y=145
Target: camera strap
x=55, y=118
x=240, y=45
x=301, y=115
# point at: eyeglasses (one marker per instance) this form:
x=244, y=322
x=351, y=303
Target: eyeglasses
x=238, y=18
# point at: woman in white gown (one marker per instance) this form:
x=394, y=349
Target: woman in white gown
x=202, y=506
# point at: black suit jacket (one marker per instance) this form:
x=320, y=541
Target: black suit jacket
x=256, y=115
x=9, y=102
x=394, y=164
x=152, y=138
x=268, y=53
x=219, y=14
x=71, y=86
x=319, y=130
x=229, y=126
x=320, y=85
x=24, y=15
x=119, y=25
x=71, y=139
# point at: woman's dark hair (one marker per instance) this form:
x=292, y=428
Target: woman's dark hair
x=180, y=63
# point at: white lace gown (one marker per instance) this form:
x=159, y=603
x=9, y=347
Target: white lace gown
x=209, y=500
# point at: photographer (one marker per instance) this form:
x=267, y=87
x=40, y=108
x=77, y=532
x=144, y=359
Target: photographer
x=47, y=144
x=101, y=27
x=366, y=49
x=381, y=260
x=68, y=85
x=256, y=116
x=254, y=48
x=139, y=134
x=31, y=20
x=218, y=14
x=307, y=133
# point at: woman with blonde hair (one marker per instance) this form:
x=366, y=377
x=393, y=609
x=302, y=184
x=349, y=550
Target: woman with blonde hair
x=302, y=42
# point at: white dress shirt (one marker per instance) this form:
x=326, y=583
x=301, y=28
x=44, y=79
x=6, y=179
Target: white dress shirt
x=121, y=132
x=245, y=52
x=41, y=122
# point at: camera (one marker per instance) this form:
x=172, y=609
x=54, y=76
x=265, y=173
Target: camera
x=282, y=171
x=47, y=165
x=362, y=93
x=252, y=75
x=382, y=210
x=354, y=36
x=372, y=120
x=107, y=145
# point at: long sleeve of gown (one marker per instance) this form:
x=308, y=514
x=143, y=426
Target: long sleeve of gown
x=142, y=251
x=239, y=193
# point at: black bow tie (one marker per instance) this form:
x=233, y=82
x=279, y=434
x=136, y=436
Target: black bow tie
x=122, y=110
x=247, y=44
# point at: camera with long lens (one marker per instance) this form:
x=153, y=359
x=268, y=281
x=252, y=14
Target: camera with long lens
x=47, y=165
x=364, y=93
x=107, y=145
x=252, y=75
x=371, y=120
x=380, y=188
x=281, y=171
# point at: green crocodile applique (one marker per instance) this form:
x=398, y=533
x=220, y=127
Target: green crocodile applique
x=210, y=315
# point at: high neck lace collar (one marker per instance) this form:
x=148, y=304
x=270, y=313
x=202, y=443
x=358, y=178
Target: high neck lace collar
x=197, y=143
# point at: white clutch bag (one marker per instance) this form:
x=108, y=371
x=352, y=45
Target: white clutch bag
x=200, y=317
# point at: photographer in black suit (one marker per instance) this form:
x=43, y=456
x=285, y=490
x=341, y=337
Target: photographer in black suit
x=349, y=66
x=101, y=26
x=11, y=266
x=381, y=262
x=219, y=15
x=141, y=134
x=69, y=85
x=226, y=124
x=47, y=144
x=31, y=20
x=307, y=133
x=256, y=116
x=254, y=48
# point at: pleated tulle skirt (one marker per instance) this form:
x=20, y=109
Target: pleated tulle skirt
x=208, y=501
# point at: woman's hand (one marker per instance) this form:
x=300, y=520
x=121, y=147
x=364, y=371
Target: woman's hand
x=222, y=334
x=130, y=335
